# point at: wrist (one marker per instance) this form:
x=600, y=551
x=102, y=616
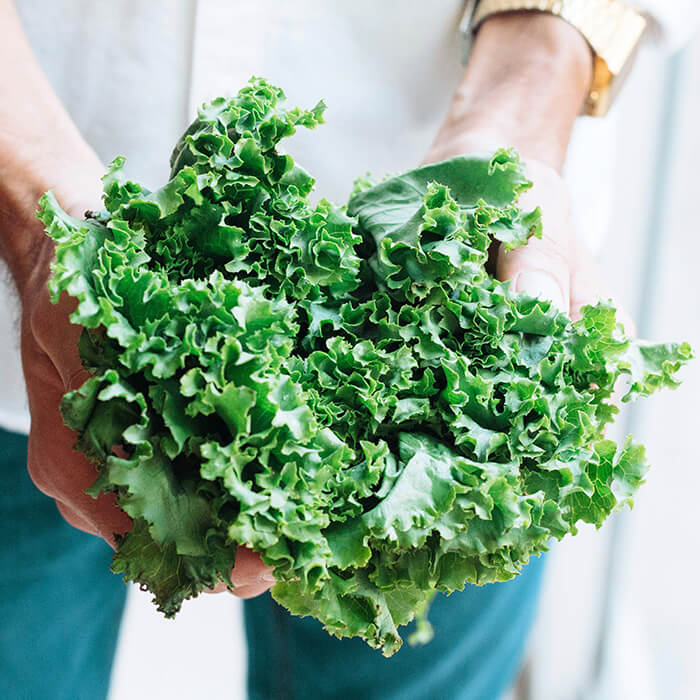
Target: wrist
x=28, y=168
x=526, y=82
x=40, y=149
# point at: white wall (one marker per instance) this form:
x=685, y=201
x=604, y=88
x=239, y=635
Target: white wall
x=652, y=629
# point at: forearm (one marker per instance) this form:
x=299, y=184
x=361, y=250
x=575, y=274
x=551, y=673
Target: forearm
x=524, y=86
x=40, y=147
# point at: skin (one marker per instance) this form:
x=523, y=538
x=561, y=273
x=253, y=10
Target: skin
x=524, y=87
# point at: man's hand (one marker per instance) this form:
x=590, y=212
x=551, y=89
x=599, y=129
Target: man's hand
x=41, y=149
x=525, y=84
x=52, y=366
x=556, y=267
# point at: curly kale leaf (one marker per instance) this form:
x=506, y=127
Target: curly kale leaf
x=348, y=391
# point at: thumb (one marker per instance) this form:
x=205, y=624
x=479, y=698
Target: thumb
x=541, y=268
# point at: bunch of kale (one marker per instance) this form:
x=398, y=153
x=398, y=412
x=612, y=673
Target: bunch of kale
x=346, y=391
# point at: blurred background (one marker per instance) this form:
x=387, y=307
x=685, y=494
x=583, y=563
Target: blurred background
x=620, y=614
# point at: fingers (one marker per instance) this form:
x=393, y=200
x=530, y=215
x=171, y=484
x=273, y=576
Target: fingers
x=250, y=577
x=542, y=267
x=52, y=366
x=539, y=269
x=51, y=362
x=72, y=517
x=61, y=472
x=101, y=517
x=56, y=336
x=557, y=267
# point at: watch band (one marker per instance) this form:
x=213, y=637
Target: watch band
x=612, y=29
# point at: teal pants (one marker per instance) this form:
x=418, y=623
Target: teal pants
x=60, y=609
x=60, y=606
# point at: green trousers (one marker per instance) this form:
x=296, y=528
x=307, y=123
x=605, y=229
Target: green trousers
x=60, y=609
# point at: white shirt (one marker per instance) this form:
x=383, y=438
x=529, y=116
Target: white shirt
x=132, y=73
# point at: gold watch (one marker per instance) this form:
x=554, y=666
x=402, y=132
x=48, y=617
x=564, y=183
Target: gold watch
x=612, y=29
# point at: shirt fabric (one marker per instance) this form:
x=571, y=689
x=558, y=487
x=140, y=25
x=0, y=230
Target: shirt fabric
x=132, y=74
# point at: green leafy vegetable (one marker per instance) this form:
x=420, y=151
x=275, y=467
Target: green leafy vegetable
x=347, y=391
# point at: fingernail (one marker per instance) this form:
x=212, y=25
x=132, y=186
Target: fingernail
x=538, y=283
x=268, y=577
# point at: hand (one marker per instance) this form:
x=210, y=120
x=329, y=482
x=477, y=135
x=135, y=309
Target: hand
x=52, y=366
x=524, y=86
x=41, y=149
x=557, y=267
